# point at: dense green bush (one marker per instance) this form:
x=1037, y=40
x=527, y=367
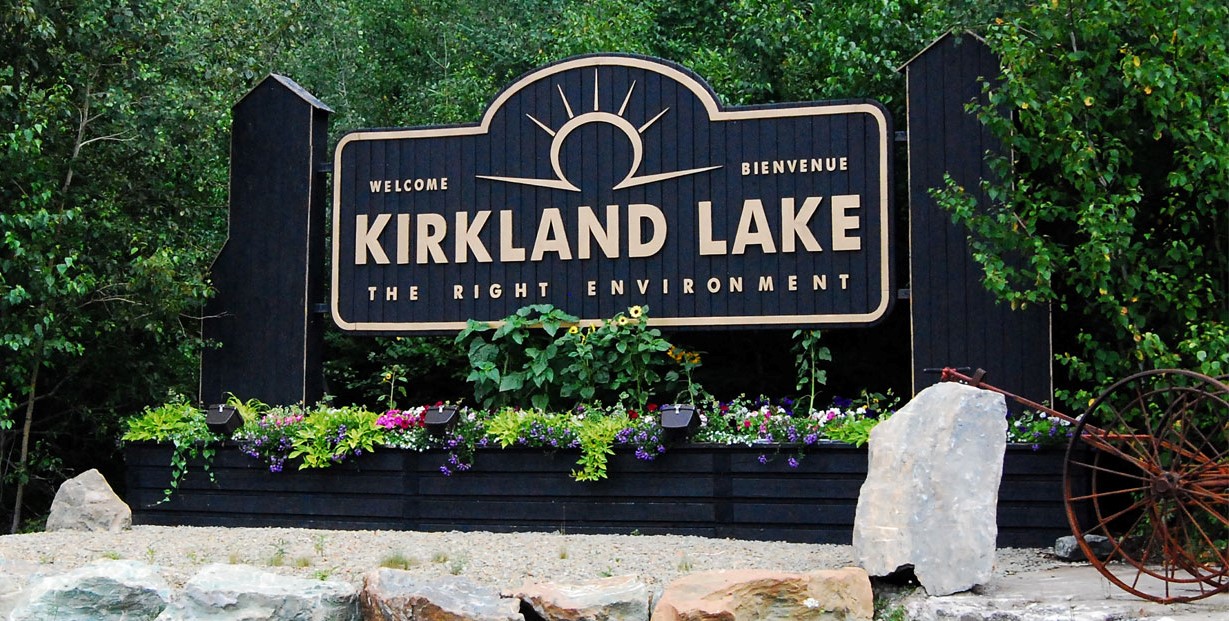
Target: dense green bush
x=1111, y=202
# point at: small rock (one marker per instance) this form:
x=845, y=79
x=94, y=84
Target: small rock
x=242, y=592
x=619, y=598
x=765, y=595
x=86, y=502
x=103, y=590
x=395, y=595
x=1067, y=549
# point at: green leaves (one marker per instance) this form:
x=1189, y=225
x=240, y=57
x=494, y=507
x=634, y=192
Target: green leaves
x=181, y=424
x=519, y=362
x=1110, y=203
x=597, y=436
x=530, y=359
x=808, y=353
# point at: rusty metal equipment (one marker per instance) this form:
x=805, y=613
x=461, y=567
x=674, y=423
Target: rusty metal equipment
x=1147, y=467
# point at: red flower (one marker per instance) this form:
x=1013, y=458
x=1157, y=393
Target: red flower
x=747, y=423
x=632, y=414
x=652, y=407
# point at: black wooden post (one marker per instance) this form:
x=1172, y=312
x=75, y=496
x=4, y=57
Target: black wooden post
x=956, y=322
x=267, y=336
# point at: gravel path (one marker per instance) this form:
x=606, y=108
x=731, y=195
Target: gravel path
x=502, y=561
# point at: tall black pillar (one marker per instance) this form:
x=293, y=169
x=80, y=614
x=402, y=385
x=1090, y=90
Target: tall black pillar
x=266, y=339
x=955, y=320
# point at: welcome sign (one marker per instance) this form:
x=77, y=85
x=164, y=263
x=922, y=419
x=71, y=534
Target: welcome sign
x=602, y=182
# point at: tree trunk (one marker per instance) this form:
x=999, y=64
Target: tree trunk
x=22, y=475
x=4, y=463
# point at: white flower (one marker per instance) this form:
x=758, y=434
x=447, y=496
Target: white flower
x=810, y=602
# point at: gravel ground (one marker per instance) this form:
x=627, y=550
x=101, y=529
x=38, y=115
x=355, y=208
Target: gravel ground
x=503, y=561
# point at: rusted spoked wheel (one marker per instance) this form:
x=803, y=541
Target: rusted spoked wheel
x=1148, y=468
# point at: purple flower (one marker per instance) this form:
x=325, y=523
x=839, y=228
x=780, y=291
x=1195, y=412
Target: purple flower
x=793, y=463
x=763, y=459
x=445, y=471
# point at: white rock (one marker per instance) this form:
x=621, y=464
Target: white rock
x=617, y=598
x=931, y=492
x=87, y=502
x=242, y=592
x=396, y=595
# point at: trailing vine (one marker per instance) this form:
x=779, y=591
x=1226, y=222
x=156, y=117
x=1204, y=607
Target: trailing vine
x=183, y=426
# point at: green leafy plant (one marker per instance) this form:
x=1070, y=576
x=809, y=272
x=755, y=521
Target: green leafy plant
x=689, y=361
x=249, y=410
x=621, y=359
x=530, y=359
x=516, y=362
x=808, y=353
x=331, y=435
x=183, y=426
x=391, y=377
x=856, y=432
x=596, y=435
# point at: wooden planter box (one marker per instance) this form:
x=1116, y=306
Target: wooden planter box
x=713, y=491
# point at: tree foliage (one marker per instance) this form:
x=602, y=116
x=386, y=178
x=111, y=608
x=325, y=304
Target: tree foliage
x=1114, y=198
x=111, y=208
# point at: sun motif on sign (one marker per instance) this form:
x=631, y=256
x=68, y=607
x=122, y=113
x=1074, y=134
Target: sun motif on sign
x=635, y=136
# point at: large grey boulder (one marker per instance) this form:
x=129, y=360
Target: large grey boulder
x=86, y=502
x=618, y=598
x=931, y=492
x=102, y=590
x=396, y=595
x=242, y=593
x=764, y=595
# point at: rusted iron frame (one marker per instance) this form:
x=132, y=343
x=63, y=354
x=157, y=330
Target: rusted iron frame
x=1093, y=436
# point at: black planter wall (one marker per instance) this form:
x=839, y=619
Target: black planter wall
x=693, y=490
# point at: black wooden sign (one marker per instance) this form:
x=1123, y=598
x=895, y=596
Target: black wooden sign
x=603, y=182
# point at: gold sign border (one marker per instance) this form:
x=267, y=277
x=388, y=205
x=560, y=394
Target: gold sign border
x=715, y=113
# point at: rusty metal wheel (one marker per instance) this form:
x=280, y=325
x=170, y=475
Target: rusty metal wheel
x=1148, y=468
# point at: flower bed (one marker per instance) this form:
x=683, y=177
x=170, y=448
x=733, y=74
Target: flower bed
x=709, y=490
